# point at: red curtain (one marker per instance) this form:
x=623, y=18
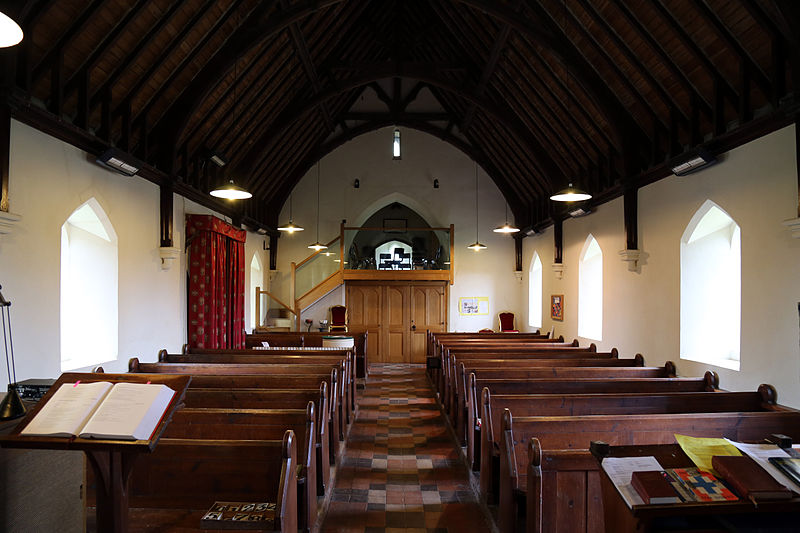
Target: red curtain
x=216, y=283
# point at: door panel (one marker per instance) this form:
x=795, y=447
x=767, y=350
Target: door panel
x=428, y=312
x=364, y=314
x=396, y=311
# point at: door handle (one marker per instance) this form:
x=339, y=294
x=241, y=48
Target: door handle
x=414, y=327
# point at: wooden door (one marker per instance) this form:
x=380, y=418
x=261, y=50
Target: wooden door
x=428, y=312
x=364, y=310
x=397, y=325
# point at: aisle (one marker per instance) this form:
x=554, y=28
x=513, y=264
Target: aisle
x=402, y=471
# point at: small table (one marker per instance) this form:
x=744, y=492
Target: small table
x=687, y=516
x=111, y=460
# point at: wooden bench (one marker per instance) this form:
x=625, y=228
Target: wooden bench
x=488, y=451
x=259, y=425
x=276, y=399
x=310, y=339
x=469, y=411
x=173, y=487
x=576, y=432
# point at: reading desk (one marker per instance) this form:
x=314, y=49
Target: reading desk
x=111, y=460
x=740, y=516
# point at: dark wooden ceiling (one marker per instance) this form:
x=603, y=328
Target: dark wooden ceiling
x=601, y=93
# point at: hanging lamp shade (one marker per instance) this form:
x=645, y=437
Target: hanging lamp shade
x=10, y=32
x=506, y=228
x=290, y=227
x=570, y=194
x=477, y=245
x=231, y=191
x=317, y=245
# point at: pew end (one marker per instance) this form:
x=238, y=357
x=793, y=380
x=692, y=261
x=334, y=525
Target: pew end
x=534, y=495
x=711, y=380
x=671, y=369
x=133, y=365
x=769, y=396
x=162, y=355
x=185, y=349
x=638, y=359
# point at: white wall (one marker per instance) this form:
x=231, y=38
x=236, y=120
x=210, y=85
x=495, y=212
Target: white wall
x=757, y=185
x=48, y=180
x=410, y=181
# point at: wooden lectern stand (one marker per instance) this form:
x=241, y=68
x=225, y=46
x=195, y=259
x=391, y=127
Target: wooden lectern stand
x=112, y=460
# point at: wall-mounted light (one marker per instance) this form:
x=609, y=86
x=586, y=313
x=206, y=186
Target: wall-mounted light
x=691, y=161
x=118, y=161
x=436, y=183
x=396, y=144
x=356, y=184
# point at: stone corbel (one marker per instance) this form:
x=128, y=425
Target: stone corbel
x=558, y=270
x=794, y=227
x=8, y=221
x=518, y=275
x=168, y=256
x=632, y=258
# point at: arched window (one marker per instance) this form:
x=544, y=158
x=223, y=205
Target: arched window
x=590, y=291
x=89, y=288
x=711, y=288
x=535, y=292
x=256, y=280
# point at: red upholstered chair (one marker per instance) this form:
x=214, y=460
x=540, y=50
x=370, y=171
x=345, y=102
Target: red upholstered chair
x=507, y=322
x=338, y=319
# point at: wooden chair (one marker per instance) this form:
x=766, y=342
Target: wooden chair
x=338, y=319
x=507, y=322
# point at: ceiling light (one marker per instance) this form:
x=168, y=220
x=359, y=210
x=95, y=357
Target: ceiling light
x=10, y=32
x=317, y=245
x=579, y=212
x=570, y=194
x=476, y=246
x=217, y=159
x=231, y=191
x=692, y=162
x=506, y=228
x=290, y=227
x=118, y=161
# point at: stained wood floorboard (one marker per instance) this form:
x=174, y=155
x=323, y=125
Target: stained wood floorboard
x=402, y=471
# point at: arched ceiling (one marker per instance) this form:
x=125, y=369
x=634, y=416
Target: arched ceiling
x=601, y=93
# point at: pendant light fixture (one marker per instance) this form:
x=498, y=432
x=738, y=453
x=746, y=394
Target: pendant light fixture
x=231, y=191
x=570, y=194
x=476, y=246
x=506, y=228
x=317, y=245
x=10, y=32
x=290, y=227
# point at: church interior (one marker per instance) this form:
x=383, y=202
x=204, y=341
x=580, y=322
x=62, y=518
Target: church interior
x=418, y=266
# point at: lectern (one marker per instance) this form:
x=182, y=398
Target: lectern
x=111, y=460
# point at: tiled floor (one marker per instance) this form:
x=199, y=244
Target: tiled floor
x=401, y=471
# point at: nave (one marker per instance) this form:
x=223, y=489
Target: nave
x=402, y=471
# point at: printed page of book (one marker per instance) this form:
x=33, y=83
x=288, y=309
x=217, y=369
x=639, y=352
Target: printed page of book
x=66, y=412
x=620, y=469
x=760, y=453
x=131, y=411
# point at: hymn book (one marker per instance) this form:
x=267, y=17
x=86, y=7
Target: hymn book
x=102, y=410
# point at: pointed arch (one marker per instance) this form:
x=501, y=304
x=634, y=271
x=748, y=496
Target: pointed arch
x=535, y=292
x=590, y=290
x=400, y=198
x=89, y=302
x=711, y=288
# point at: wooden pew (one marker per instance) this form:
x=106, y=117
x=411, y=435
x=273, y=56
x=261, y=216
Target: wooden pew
x=432, y=337
x=343, y=400
x=576, y=432
x=310, y=339
x=469, y=411
x=275, y=399
x=173, y=487
x=488, y=452
x=261, y=424
x=204, y=380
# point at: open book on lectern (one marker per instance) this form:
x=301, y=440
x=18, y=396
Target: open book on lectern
x=102, y=410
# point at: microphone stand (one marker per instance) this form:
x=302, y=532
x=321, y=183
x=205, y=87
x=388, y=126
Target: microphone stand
x=11, y=407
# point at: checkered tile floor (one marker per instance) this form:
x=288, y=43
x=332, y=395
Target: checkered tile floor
x=401, y=471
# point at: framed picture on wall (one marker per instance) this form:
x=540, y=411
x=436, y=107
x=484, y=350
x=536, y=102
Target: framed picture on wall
x=557, y=306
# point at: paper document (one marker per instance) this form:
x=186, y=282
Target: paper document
x=619, y=470
x=701, y=450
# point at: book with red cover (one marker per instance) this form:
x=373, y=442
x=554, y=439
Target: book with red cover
x=654, y=487
x=748, y=479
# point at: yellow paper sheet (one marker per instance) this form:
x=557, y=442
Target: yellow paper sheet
x=700, y=450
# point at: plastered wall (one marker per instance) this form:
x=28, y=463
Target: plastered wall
x=757, y=185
